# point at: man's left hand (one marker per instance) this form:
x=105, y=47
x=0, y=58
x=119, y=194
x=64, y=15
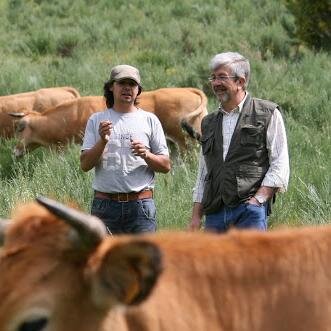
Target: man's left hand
x=253, y=201
x=139, y=149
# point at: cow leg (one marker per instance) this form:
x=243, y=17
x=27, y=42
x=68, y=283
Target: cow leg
x=176, y=152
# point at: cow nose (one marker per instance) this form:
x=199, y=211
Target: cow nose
x=18, y=152
x=38, y=324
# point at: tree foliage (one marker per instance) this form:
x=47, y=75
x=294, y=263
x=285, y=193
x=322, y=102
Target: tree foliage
x=313, y=22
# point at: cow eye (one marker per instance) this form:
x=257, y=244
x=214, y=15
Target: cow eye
x=37, y=324
x=20, y=126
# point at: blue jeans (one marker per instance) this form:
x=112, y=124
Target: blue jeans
x=243, y=216
x=126, y=217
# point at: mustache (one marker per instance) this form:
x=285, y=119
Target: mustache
x=221, y=89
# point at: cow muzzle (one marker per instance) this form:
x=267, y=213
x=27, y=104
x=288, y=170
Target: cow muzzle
x=18, y=152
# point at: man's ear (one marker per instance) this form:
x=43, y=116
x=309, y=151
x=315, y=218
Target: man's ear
x=241, y=82
x=124, y=273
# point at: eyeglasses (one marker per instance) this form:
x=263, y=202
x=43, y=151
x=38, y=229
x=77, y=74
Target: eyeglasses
x=220, y=78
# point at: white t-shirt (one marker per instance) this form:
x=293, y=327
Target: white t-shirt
x=119, y=170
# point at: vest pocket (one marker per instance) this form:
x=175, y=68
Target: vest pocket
x=207, y=142
x=251, y=135
x=249, y=178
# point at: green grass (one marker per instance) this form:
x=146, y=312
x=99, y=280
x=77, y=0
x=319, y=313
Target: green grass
x=62, y=42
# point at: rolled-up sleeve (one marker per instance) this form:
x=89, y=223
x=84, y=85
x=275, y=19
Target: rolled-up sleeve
x=279, y=170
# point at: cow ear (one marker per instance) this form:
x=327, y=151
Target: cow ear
x=125, y=273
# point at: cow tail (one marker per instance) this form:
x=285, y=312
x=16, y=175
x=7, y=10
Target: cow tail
x=190, y=130
x=200, y=112
x=73, y=91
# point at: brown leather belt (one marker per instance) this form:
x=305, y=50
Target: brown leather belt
x=124, y=197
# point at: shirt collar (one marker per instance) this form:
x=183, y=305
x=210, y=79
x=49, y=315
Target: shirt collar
x=234, y=110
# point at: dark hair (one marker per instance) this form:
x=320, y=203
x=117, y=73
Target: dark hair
x=109, y=96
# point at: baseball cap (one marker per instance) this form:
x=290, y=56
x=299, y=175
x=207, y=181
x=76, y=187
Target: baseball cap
x=123, y=71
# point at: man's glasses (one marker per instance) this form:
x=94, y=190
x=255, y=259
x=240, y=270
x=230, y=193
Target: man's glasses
x=220, y=78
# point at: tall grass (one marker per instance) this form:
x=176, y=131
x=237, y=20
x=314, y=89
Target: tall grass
x=62, y=42
x=46, y=172
x=57, y=175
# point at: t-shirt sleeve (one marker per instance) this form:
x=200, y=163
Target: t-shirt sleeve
x=90, y=135
x=158, y=141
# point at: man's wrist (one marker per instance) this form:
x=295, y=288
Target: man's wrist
x=261, y=199
x=104, y=140
x=146, y=155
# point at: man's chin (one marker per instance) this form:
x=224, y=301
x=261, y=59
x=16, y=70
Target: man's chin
x=126, y=99
x=223, y=98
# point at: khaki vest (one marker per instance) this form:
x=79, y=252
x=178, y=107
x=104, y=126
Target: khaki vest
x=239, y=176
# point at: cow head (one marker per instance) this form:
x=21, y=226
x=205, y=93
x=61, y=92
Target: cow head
x=24, y=132
x=59, y=271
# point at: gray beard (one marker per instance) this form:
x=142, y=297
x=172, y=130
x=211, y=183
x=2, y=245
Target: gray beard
x=224, y=97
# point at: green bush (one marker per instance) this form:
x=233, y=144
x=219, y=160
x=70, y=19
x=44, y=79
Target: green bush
x=313, y=22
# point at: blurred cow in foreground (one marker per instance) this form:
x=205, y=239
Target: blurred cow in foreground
x=38, y=101
x=60, y=272
x=57, y=126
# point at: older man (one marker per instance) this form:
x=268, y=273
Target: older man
x=244, y=159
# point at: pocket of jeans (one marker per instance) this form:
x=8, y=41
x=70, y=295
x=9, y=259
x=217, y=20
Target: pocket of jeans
x=253, y=205
x=98, y=205
x=148, y=208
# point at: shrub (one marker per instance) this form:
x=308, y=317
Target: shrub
x=313, y=23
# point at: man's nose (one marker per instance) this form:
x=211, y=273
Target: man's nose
x=218, y=83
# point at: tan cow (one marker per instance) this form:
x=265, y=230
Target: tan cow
x=66, y=122
x=38, y=101
x=61, y=273
x=176, y=108
x=56, y=126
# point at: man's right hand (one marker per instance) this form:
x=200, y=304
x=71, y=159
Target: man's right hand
x=196, y=220
x=105, y=130
x=194, y=225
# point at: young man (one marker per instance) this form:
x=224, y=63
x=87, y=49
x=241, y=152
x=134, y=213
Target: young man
x=126, y=146
x=244, y=159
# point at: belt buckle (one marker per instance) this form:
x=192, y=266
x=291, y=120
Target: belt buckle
x=126, y=199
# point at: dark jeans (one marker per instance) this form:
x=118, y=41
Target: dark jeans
x=243, y=216
x=126, y=217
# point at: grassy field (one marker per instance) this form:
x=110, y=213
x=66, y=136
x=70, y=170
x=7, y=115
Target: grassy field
x=75, y=43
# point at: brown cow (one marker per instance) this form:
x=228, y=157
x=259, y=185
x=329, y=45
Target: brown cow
x=66, y=122
x=38, y=101
x=176, y=107
x=56, y=126
x=61, y=273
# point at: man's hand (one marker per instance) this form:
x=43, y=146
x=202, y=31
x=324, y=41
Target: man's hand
x=157, y=162
x=139, y=149
x=264, y=194
x=105, y=128
x=194, y=225
x=253, y=201
x=196, y=220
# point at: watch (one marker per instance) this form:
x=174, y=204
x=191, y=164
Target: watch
x=260, y=198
